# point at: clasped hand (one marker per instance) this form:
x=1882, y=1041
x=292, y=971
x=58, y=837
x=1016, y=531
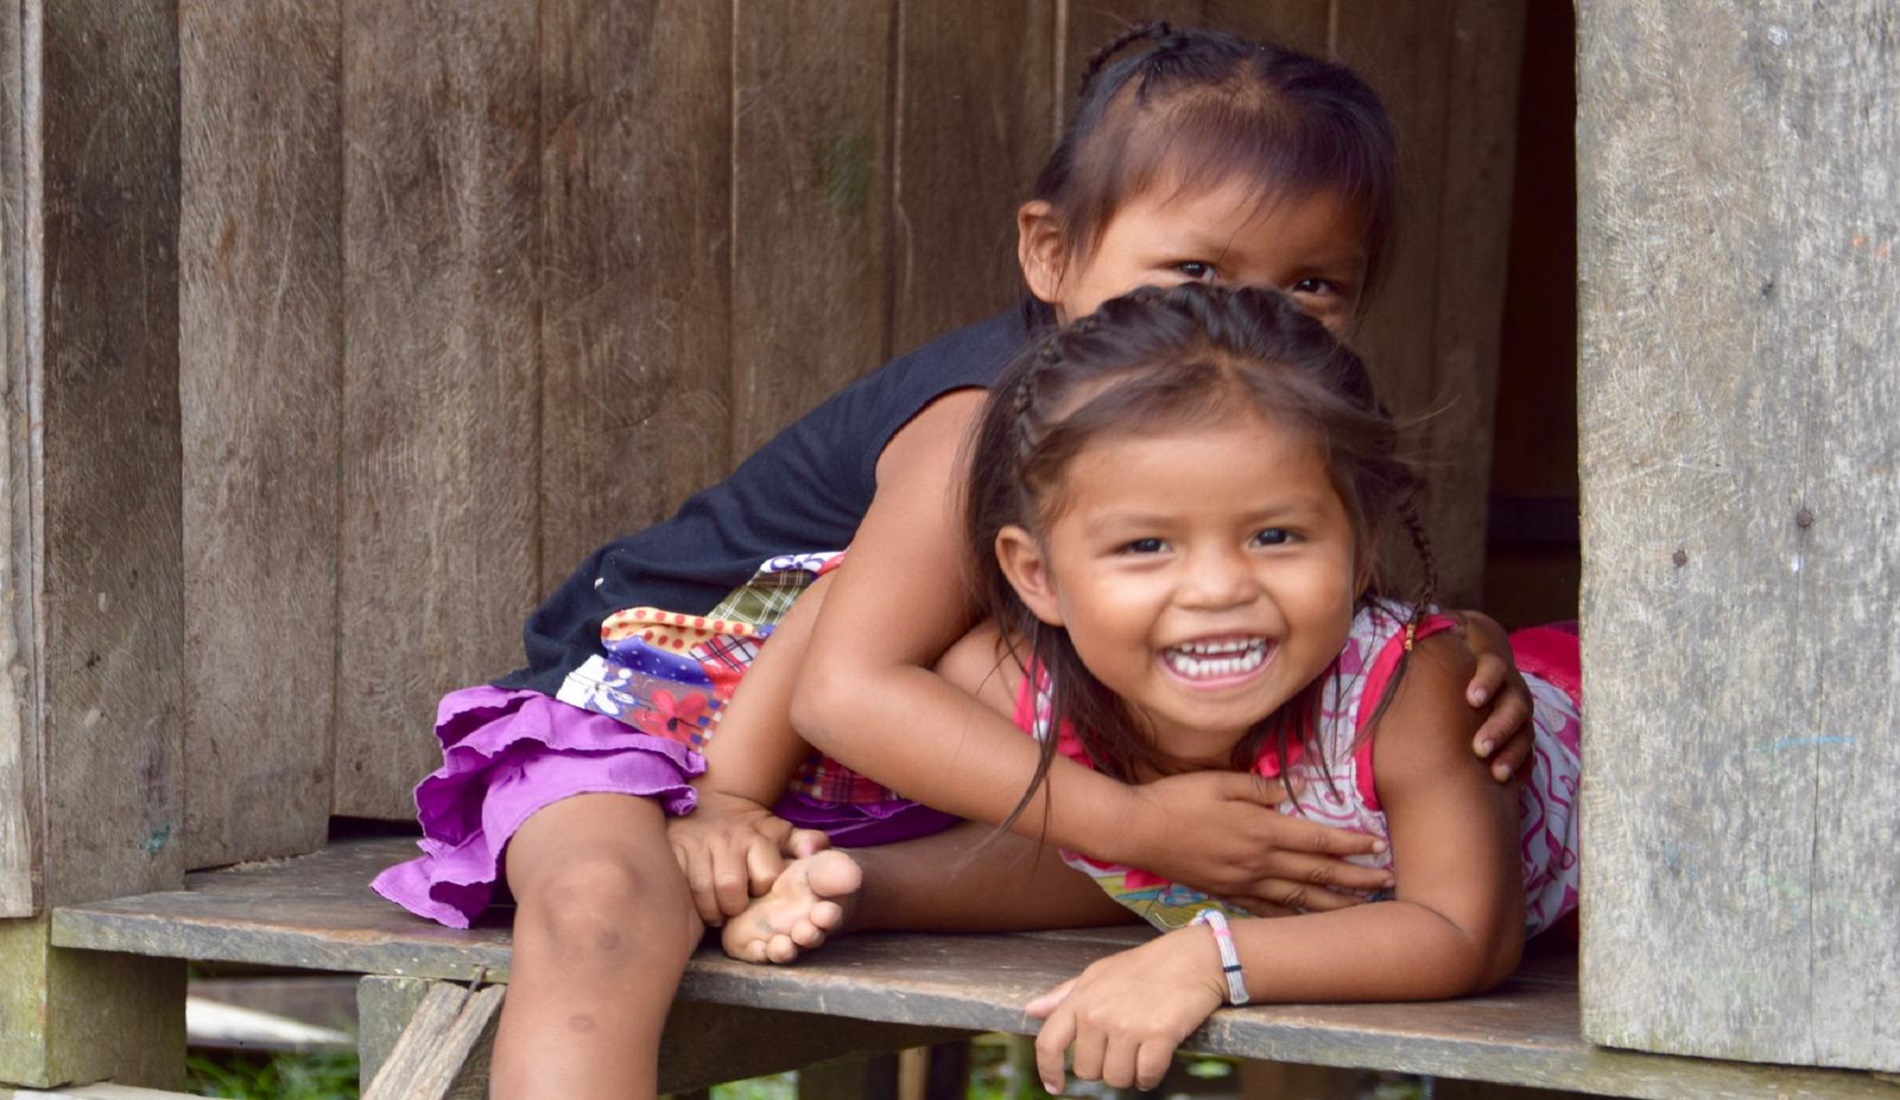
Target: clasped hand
x=731, y=848
x=1244, y=851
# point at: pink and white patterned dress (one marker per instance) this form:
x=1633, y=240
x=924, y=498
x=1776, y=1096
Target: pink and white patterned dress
x=1338, y=778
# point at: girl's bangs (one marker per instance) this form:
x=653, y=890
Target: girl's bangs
x=1201, y=141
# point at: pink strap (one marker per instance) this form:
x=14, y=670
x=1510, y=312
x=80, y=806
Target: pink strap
x=1378, y=676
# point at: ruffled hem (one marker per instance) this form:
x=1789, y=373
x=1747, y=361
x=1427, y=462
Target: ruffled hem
x=506, y=755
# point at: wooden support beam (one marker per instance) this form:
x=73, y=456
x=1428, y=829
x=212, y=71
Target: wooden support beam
x=78, y=1016
x=91, y=623
x=1738, y=268
x=435, y=1057
x=704, y=1044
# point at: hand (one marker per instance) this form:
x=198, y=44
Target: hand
x=1507, y=736
x=732, y=849
x=1126, y=1014
x=1244, y=850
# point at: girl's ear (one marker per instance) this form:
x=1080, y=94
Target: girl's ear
x=1027, y=571
x=1040, y=249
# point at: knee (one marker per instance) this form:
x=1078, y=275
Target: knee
x=607, y=914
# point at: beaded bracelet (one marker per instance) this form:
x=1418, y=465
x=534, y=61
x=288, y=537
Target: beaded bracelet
x=1216, y=922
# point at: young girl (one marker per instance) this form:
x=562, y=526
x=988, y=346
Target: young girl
x=1178, y=502
x=558, y=781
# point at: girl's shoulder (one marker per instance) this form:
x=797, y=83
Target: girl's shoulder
x=1375, y=656
x=983, y=664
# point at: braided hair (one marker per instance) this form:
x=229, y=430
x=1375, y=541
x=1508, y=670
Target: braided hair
x=1160, y=360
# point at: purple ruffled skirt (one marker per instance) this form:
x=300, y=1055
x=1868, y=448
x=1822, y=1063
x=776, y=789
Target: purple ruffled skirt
x=507, y=754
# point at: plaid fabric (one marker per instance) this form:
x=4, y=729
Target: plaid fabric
x=671, y=675
x=770, y=593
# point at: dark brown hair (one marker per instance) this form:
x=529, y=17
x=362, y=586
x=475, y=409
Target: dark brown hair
x=1196, y=107
x=1154, y=361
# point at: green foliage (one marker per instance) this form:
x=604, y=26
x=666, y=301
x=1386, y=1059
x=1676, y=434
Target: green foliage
x=782, y=1087
x=330, y=1076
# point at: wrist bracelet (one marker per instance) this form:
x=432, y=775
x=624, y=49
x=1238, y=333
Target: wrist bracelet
x=1216, y=922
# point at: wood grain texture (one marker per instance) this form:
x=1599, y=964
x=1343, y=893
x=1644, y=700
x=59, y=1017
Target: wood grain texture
x=636, y=174
x=313, y=911
x=86, y=1015
x=439, y=474
x=1303, y=24
x=811, y=205
x=1485, y=51
x=429, y=1060
x=976, y=97
x=1403, y=51
x=260, y=389
x=19, y=584
x=1741, y=555
x=110, y=619
x=704, y=1044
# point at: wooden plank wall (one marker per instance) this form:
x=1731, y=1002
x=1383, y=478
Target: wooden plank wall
x=1739, y=391
x=91, y=565
x=102, y=651
x=19, y=737
x=562, y=261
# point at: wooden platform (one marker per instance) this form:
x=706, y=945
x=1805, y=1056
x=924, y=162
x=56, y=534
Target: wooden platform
x=316, y=911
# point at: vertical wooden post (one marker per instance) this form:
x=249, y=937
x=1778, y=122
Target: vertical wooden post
x=1739, y=388
x=260, y=383
x=437, y=564
x=92, y=626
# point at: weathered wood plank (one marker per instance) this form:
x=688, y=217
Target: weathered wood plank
x=314, y=911
x=1739, y=394
x=261, y=360
x=439, y=485
x=1485, y=50
x=1303, y=24
x=704, y=1044
x=19, y=713
x=1404, y=52
x=636, y=175
x=103, y=316
x=811, y=205
x=430, y=1058
x=69, y=1016
x=977, y=89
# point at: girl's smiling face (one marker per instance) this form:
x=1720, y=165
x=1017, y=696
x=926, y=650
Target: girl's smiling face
x=1204, y=575
x=1311, y=246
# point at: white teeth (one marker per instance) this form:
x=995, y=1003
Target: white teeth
x=1199, y=660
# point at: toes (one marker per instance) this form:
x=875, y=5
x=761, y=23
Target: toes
x=807, y=934
x=833, y=874
x=825, y=916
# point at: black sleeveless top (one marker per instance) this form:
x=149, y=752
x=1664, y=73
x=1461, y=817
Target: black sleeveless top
x=805, y=490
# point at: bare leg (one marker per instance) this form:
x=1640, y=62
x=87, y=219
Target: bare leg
x=603, y=929
x=962, y=880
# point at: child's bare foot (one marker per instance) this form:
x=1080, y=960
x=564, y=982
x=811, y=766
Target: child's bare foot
x=809, y=902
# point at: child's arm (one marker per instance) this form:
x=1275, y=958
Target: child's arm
x=869, y=697
x=732, y=847
x=1455, y=927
